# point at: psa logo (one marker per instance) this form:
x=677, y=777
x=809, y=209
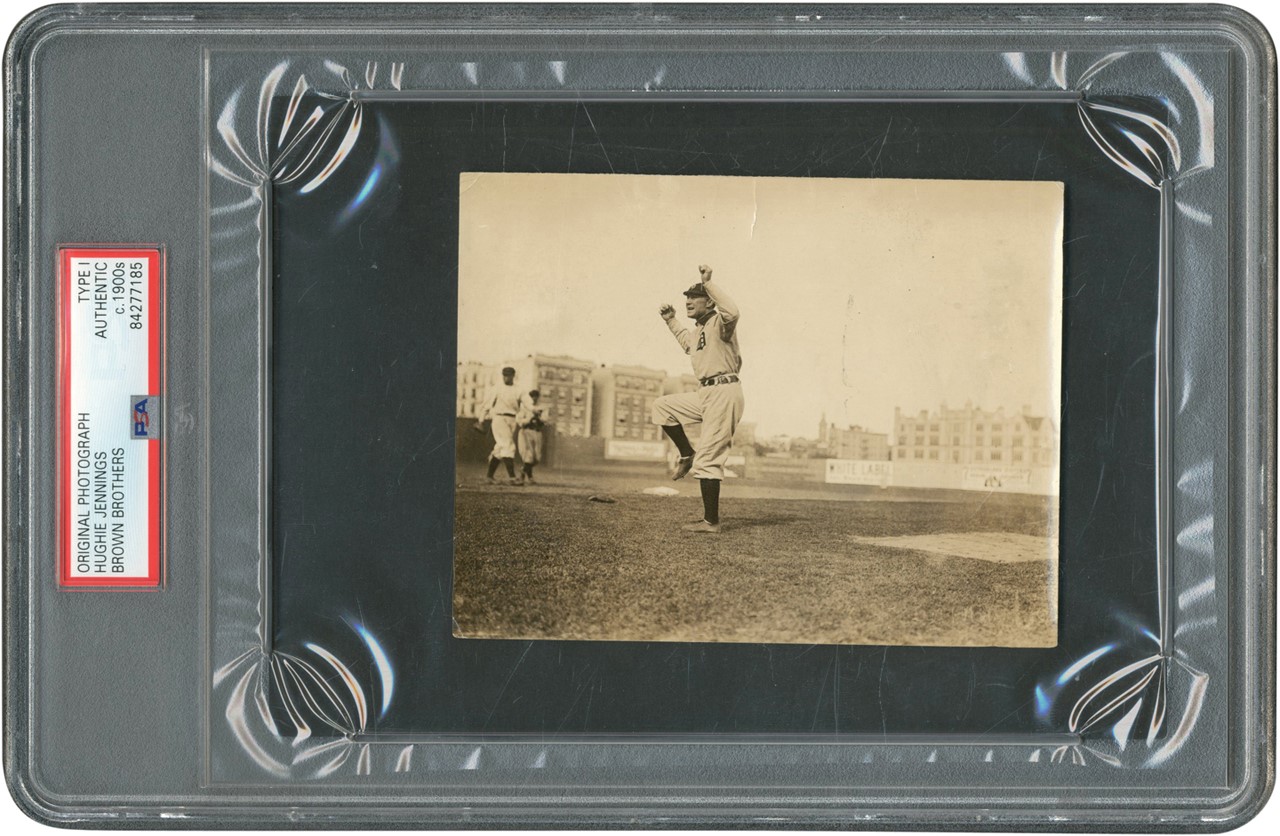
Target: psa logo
x=144, y=422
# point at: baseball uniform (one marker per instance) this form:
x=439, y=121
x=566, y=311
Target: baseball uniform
x=501, y=409
x=717, y=404
x=530, y=419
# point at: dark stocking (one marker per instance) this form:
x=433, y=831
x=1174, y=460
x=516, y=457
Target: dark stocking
x=675, y=432
x=710, y=500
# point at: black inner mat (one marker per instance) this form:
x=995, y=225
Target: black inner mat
x=363, y=387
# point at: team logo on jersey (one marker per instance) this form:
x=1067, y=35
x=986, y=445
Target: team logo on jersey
x=702, y=340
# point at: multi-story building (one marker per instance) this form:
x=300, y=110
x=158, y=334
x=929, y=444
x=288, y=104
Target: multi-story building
x=564, y=386
x=857, y=443
x=973, y=436
x=473, y=380
x=854, y=443
x=622, y=398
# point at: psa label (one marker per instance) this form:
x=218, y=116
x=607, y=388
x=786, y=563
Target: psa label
x=143, y=420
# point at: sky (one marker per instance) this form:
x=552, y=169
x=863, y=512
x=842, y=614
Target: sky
x=856, y=295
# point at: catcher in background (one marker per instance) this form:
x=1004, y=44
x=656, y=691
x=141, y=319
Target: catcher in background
x=501, y=407
x=717, y=404
x=530, y=421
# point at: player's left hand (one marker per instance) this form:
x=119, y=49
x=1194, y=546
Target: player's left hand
x=705, y=271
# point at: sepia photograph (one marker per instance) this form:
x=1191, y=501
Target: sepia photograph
x=758, y=409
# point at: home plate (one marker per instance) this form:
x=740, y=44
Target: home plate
x=994, y=546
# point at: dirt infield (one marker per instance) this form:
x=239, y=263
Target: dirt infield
x=546, y=562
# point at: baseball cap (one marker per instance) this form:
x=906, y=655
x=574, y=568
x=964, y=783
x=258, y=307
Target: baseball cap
x=508, y=370
x=535, y=393
x=697, y=290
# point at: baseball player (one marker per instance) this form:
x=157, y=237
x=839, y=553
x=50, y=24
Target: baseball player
x=717, y=404
x=500, y=409
x=529, y=421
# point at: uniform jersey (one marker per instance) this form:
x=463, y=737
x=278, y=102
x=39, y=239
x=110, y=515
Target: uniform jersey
x=713, y=345
x=531, y=415
x=503, y=400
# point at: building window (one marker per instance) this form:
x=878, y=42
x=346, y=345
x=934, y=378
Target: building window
x=919, y=440
x=933, y=428
x=955, y=441
x=933, y=454
x=997, y=441
x=933, y=440
x=978, y=428
x=1017, y=456
x=977, y=455
x=1017, y=441
x=995, y=428
x=955, y=455
x=996, y=456
x=919, y=454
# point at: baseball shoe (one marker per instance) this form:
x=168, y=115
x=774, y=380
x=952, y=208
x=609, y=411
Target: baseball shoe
x=489, y=480
x=517, y=481
x=702, y=527
x=530, y=479
x=683, y=465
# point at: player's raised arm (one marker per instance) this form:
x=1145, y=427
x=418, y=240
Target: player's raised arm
x=682, y=335
x=724, y=303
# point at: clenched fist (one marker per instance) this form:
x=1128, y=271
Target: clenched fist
x=667, y=313
x=705, y=271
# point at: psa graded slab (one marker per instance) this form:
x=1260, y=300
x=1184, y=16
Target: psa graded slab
x=526, y=416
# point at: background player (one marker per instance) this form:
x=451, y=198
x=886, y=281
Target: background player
x=717, y=404
x=501, y=407
x=529, y=421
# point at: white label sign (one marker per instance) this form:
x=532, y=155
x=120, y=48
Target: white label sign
x=110, y=424
x=859, y=472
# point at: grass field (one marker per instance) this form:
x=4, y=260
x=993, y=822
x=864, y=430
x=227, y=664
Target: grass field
x=792, y=564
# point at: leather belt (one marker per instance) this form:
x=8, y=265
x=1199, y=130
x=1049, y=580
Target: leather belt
x=506, y=415
x=715, y=381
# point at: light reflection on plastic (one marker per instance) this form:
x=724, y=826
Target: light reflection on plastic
x=387, y=157
x=1043, y=702
x=385, y=671
x=348, y=142
x=348, y=679
x=1084, y=662
x=366, y=189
